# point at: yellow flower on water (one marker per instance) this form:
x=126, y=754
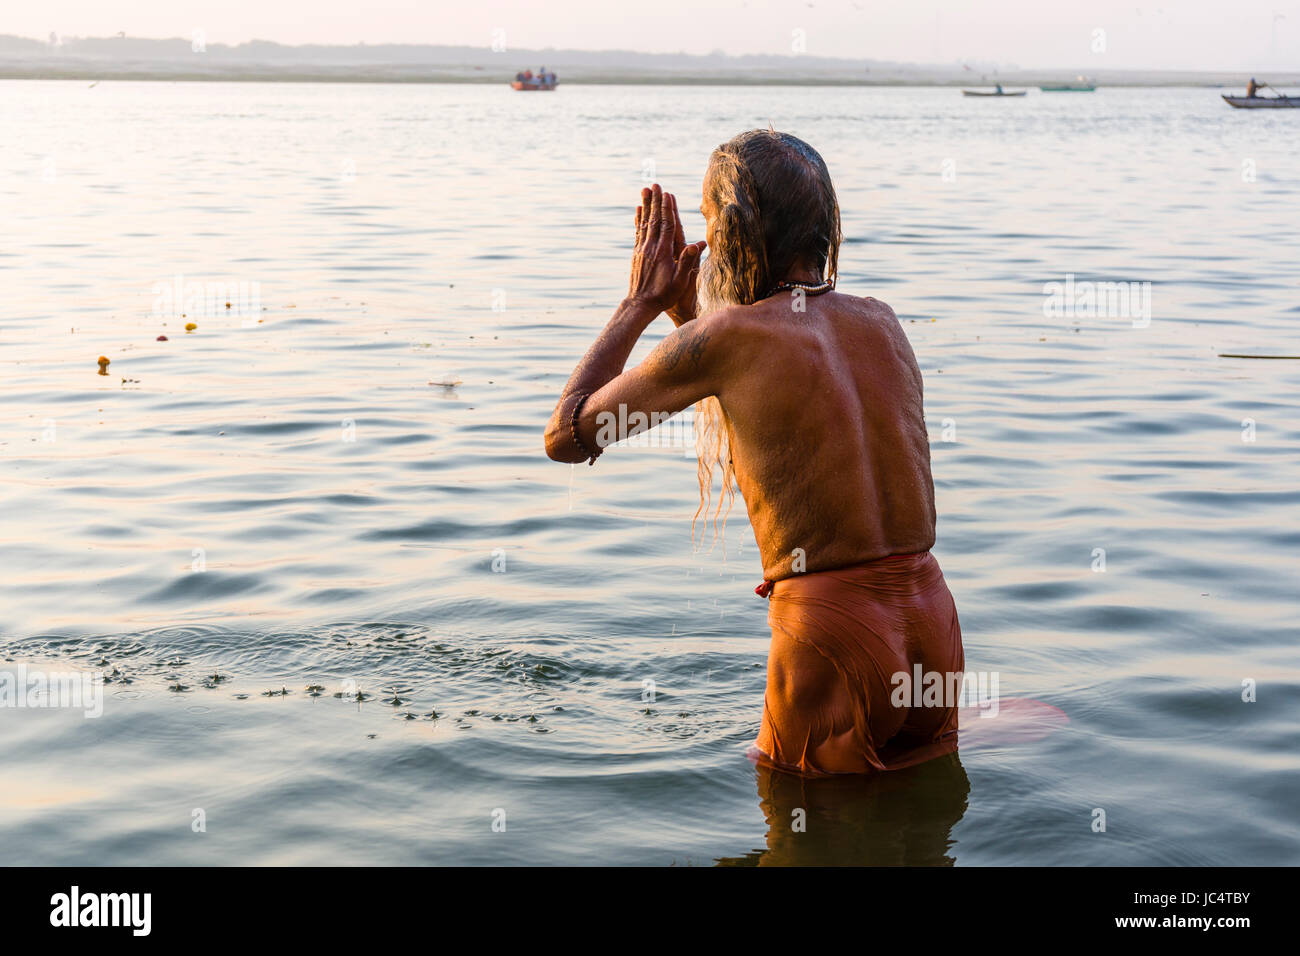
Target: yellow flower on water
x=190, y=326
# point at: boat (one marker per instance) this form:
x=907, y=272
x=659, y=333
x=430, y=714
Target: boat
x=1069, y=88
x=1262, y=102
x=525, y=86
x=988, y=93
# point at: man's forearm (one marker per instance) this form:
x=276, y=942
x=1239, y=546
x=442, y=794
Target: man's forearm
x=603, y=361
x=607, y=355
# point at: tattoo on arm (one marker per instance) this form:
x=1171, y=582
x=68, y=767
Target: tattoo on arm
x=697, y=346
x=694, y=345
x=675, y=352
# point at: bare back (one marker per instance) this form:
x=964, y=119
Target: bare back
x=827, y=433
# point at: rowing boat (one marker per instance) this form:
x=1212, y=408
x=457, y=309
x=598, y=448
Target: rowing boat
x=983, y=93
x=1069, y=88
x=1262, y=102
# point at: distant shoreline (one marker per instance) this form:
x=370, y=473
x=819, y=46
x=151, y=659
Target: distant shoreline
x=176, y=60
x=90, y=74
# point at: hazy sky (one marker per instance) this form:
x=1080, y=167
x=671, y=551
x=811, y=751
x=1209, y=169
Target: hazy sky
x=1191, y=34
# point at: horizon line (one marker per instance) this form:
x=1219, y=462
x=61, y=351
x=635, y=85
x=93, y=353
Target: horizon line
x=973, y=65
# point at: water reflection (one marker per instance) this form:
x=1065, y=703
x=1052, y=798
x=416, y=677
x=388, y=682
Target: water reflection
x=901, y=818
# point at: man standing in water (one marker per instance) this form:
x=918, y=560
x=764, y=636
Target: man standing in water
x=810, y=400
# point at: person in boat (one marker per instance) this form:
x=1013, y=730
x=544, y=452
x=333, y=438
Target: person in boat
x=810, y=401
x=998, y=89
x=1252, y=88
x=519, y=77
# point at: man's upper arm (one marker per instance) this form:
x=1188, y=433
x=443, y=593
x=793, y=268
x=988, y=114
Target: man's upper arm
x=682, y=369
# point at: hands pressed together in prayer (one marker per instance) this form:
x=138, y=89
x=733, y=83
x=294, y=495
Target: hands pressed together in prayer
x=664, y=265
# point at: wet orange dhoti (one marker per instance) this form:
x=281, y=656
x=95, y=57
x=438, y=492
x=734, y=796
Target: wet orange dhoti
x=833, y=703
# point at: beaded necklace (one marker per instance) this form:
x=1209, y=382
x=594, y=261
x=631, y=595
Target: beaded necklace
x=809, y=287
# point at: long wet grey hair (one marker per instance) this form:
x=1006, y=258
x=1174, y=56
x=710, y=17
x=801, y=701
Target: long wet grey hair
x=775, y=210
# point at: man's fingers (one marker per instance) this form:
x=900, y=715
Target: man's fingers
x=657, y=220
x=688, y=264
x=645, y=210
x=679, y=235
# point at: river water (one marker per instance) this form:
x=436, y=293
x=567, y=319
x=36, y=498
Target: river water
x=338, y=481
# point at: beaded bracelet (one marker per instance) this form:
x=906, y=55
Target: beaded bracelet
x=573, y=427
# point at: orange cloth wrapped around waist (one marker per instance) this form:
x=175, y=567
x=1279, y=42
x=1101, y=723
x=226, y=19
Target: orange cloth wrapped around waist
x=833, y=703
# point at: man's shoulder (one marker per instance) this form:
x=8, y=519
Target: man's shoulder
x=872, y=314
x=747, y=320
x=870, y=306
x=731, y=322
